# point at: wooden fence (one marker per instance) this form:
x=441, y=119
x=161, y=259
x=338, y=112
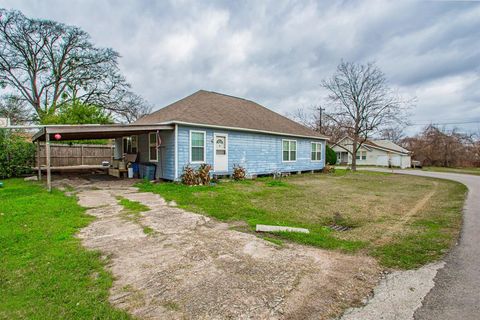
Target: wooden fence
x=63, y=155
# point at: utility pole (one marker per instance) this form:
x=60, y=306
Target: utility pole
x=320, y=111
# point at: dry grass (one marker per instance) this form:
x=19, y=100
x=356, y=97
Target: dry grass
x=388, y=214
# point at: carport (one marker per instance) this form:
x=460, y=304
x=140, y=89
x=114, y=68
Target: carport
x=85, y=132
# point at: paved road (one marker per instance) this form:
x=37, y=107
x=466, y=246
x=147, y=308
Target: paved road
x=456, y=294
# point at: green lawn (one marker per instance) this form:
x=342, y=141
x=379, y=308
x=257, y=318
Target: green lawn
x=474, y=171
x=45, y=273
x=377, y=206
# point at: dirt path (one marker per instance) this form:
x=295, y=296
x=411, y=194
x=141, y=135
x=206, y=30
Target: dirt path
x=396, y=228
x=194, y=267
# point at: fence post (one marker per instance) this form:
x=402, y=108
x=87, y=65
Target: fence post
x=49, y=172
x=39, y=161
x=81, y=155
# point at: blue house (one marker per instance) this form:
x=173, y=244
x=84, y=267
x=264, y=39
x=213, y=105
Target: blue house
x=223, y=131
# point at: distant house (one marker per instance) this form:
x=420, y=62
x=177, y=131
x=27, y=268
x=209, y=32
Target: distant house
x=373, y=152
x=223, y=131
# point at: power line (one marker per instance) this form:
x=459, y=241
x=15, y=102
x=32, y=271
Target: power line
x=443, y=123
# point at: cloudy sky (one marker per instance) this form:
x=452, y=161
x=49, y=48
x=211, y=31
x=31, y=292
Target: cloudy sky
x=277, y=52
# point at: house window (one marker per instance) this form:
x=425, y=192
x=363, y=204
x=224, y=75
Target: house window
x=316, y=151
x=130, y=144
x=197, y=146
x=152, y=146
x=289, y=150
x=361, y=155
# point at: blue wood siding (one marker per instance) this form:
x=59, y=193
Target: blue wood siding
x=166, y=154
x=257, y=152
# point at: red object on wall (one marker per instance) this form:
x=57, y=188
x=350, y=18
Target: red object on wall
x=57, y=136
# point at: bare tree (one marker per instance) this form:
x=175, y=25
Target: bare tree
x=438, y=146
x=394, y=133
x=14, y=108
x=48, y=63
x=362, y=102
x=129, y=106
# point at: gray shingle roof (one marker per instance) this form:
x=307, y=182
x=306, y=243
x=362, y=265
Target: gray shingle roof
x=216, y=109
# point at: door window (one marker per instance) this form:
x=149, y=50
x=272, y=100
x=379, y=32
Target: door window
x=220, y=146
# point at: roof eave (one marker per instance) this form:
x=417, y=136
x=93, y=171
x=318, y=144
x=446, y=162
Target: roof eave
x=243, y=129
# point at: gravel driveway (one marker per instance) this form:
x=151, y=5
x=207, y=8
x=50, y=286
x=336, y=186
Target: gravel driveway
x=193, y=267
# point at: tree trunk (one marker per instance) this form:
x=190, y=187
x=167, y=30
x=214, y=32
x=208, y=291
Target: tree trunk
x=354, y=155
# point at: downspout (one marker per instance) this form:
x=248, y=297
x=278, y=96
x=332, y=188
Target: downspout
x=175, y=177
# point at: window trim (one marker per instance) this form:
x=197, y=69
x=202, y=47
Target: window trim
x=319, y=144
x=150, y=146
x=136, y=142
x=204, y=146
x=360, y=157
x=131, y=144
x=289, y=150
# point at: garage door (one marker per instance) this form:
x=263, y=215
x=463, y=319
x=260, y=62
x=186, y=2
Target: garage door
x=396, y=160
x=382, y=160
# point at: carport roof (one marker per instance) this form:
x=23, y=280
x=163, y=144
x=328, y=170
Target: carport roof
x=96, y=131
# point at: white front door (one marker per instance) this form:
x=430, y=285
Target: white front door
x=221, y=153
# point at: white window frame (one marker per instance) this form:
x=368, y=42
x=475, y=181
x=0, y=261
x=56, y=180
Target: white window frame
x=319, y=145
x=131, y=143
x=150, y=146
x=360, y=157
x=204, y=145
x=136, y=142
x=289, y=150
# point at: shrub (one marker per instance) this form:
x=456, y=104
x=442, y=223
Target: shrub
x=199, y=177
x=188, y=176
x=239, y=172
x=17, y=156
x=203, y=174
x=330, y=156
x=328, y=169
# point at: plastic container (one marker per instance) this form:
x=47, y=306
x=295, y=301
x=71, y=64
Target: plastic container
x=130, y=173
x=147, y=171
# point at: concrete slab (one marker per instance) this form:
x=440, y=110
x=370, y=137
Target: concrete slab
x=265, y=228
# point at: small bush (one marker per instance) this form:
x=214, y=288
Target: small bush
x=189, y=176
x=239, y=172
x=17, y=156
x=203, y=174
x=330, y=156
x=328, y=169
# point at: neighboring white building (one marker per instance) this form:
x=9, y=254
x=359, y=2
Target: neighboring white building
x=374, y=153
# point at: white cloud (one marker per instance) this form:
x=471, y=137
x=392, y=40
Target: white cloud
x=277, y=52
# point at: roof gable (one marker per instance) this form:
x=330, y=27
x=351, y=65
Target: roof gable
x=385, y=145
x=216, y=109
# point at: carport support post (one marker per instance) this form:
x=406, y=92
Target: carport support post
x=39, y=161
x=49, y=174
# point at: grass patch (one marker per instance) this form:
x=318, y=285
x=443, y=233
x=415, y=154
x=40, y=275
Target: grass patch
x=276, y=241
x=132, y=208
x=171, y=305
x=131, y=211
x=474, y=171
x=148, y=230
x=369, y=202
x=276, y=183
x=44, y=271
